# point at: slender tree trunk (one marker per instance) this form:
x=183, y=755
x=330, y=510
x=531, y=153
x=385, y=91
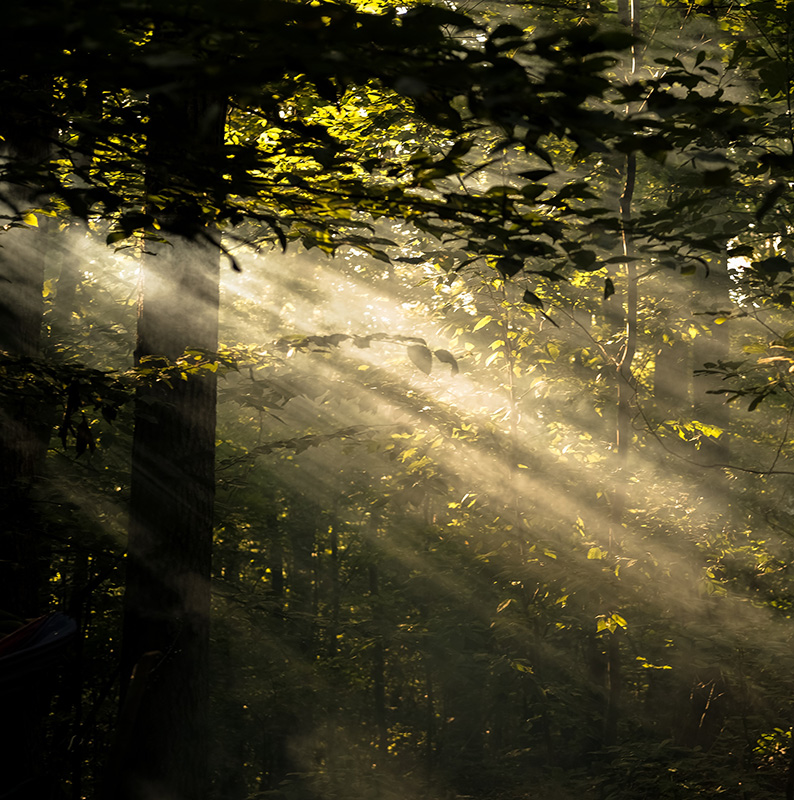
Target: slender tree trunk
x=336, y=592
x=627, y=13
x=303, y=536
x=626, y=387
x=712, y=408
x=378, y=669
x=430, y=724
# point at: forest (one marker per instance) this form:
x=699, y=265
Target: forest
x=397, y=400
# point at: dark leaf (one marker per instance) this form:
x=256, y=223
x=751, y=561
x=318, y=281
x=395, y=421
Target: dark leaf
x=756, y=402
x=445, y=357
x=421, y=357
x=770, y=198
x=773, y=265
x=509, y=266
x=536, y=174
x=609, y=288
x=531, y=299
x=84, y=438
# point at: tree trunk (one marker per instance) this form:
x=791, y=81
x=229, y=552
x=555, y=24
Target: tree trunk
x=25, y=425
x=24, y=418
x=627, y=14
x=167, y=598
x=378, y=668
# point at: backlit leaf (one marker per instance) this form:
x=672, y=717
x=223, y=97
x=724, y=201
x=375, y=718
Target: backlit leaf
x=421, y=357
x=445, y=357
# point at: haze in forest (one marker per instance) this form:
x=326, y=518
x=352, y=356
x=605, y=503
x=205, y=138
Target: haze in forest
x=395, y=401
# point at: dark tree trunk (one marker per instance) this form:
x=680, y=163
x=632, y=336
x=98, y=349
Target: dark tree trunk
x=712, y=408
x=302, y=538
x=614, y=687
x=24, y=418
x=25, y=424
x=167, y=599
x=163, y=728
x=336, y=592
x=378, y=669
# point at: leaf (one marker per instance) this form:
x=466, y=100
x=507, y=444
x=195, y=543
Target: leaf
x=585, y=260
x=770, y=198
x=531, y=299
x=421, y=357
x=30, y=219
x=756, y=402
x=84, y=438
x=609, y=288
x=445, y=357
x=115, y=236
x=482, y=323
x=536, y=174
x=773, y=265
x=503, y=605
x=509, y=266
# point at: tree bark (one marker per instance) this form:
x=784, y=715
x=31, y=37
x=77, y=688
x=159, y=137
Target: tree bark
x=24, y=418
x=167, y=598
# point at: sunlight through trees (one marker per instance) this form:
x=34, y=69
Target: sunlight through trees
x=396, y=400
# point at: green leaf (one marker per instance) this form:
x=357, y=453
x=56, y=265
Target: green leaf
x=620, y=621
x=115, y=236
